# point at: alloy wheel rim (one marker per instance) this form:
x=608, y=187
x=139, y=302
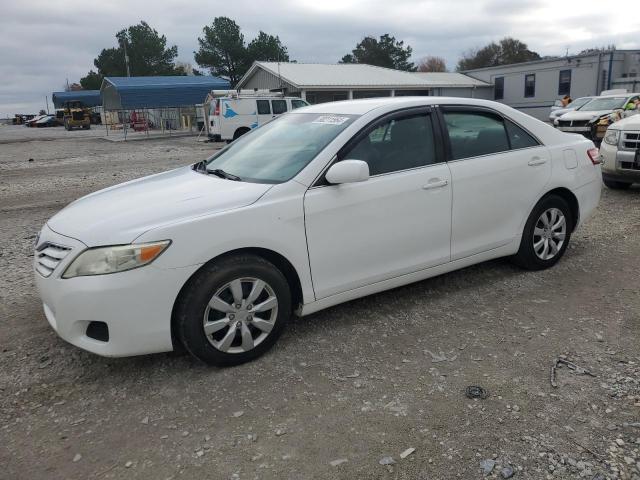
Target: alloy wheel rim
x=240, y=315
x=549, y=233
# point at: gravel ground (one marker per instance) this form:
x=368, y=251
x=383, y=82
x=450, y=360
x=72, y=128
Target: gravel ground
x=370, y=389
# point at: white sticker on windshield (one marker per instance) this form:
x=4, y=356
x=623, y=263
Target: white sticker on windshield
x=331, y=120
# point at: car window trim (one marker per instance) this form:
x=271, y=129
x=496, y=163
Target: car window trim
x=440, y=110
x=320, y=180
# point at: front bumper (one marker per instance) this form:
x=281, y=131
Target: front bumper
x=619, y=165
x=135, y=305
x=583, y=130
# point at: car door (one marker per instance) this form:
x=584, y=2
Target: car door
x=498, y=170
x=396, y=222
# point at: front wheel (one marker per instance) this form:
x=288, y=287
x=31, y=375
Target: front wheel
x=233, y=310
x=546, y=234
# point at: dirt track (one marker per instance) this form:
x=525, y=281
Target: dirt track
x=357, y=382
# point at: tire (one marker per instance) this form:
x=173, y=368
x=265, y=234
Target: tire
x=616, y=185
x=239, y=132
x=224, y=345
x=531, y=254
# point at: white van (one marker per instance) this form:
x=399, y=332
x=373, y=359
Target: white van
x=234, y=114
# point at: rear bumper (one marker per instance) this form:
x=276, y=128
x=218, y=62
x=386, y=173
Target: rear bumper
x=588, y=199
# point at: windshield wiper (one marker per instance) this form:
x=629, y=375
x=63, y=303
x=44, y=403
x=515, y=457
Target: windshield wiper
x=222, y=174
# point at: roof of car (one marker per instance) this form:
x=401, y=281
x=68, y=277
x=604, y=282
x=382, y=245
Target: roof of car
x=360, y=107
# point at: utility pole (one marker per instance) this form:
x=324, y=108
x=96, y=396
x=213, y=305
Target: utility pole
x=46, y=99
x=123, y=40
x=126, y=58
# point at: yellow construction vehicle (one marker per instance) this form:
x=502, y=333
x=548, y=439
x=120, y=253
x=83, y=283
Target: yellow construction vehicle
x=76, y=115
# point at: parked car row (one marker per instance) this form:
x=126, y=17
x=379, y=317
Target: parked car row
x=593, y=115
x=40, y=121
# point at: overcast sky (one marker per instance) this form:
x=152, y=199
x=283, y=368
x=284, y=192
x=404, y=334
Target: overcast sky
x=44, y=42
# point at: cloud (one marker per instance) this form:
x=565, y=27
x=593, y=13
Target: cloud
x=45, y=42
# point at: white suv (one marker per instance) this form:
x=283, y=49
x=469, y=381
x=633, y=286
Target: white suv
x=620, y=152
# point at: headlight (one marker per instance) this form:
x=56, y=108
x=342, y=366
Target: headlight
x=102, y=260
x=612, y=136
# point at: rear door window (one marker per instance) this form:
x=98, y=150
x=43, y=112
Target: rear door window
x=475, y=133
x=278, y=106
x=263, y=107
x=518, y=138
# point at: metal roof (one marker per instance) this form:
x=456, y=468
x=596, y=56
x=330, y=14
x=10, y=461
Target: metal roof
x=451, y=79
x=158, y=92
x=91, y=98
x=352, y=75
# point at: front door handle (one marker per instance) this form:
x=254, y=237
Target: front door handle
x=435, y=183
x=535, y=161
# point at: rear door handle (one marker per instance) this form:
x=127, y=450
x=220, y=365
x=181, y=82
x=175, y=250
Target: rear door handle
x=435, y=183
x=535, y=161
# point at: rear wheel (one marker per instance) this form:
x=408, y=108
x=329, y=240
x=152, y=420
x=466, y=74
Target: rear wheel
x=233, y=310
x=616, y=185
x=546, y=234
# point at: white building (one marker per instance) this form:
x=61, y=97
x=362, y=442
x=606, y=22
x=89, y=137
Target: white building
x=533, y=87
x=318, y=83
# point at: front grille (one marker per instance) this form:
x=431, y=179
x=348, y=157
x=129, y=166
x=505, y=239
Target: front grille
x=48, y=256
x=573, y=123
x=78, y=115
x=631, y=140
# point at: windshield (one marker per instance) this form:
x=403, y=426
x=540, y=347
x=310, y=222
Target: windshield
x=580, y=102
x=607, y=103
x=278, y=150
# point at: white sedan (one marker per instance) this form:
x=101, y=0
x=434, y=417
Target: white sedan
x=322, y=205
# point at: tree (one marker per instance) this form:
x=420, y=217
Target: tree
x=432, y=64
x=222, y=49
x=385, y=52
x=507, y=51
x=92, y=81
x=266, y=48
x=607, y=48
x=147, y=51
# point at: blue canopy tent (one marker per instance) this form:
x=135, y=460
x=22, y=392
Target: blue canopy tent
x=90, y=98
x=131, y=93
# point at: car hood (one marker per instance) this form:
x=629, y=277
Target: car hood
x=584, y=115
x=120, y=214
x=561, y=111
x=629, y=123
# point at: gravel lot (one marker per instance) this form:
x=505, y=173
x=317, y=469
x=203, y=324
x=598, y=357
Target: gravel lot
x=343, y=388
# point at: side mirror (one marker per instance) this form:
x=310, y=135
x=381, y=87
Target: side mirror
x=348, y=171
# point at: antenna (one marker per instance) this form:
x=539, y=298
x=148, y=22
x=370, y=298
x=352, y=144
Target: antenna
x=279, y=76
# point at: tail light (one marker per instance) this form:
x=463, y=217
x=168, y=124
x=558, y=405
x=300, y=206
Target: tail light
x=216, y=112
x=594, y=156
